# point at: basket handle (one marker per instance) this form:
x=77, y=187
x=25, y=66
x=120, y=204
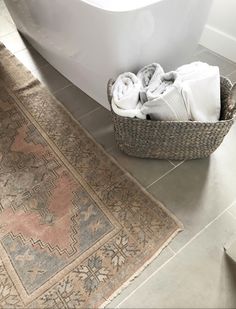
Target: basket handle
x=109, y=89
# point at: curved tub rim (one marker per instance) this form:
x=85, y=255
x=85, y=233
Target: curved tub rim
x=119, y=6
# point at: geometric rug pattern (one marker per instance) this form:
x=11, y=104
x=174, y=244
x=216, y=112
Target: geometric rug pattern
x=74, y=226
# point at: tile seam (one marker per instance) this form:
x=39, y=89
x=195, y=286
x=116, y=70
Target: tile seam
x=177, y=253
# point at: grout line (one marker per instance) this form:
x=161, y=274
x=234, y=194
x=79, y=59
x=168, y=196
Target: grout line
x=172, y=250
x=171, y=162
x=89, y=113
x=58, y=90
x=15, y=52
x=42, y=81
x=26, y=48
x=55, y=91
x=221, y=57
x=15, y=30
x=177, y=164
x=231, y=73
x=232, y=214
x=2, y=36
x=168, y=172
x=86, y=114
x=174, y=167
x=178, y=252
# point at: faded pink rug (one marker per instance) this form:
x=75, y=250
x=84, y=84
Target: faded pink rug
x=74, y=226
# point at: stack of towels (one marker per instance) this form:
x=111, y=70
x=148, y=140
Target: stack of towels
x=191, y=93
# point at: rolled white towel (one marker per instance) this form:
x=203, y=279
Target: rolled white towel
x=125, y=91
x=131, y=113
x=149, y=76
x=168, y=103
x=201, y=90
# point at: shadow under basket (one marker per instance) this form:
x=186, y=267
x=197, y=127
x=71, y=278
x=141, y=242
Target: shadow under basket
x=174, y=140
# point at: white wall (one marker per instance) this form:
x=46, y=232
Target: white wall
x=220, y=32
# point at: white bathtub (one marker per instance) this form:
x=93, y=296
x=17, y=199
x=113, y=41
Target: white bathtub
x=90, y=41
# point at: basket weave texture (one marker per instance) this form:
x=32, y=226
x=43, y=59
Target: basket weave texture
x=174, y=140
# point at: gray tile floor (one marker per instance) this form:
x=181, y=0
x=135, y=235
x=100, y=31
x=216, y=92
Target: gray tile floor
x=193, y=271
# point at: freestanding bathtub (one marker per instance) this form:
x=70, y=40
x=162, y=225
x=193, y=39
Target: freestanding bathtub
x=90, y=41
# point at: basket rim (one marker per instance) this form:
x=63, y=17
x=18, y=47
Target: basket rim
x=111, y=82
x=172, y=121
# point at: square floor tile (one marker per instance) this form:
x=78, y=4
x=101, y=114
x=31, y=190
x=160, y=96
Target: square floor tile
x=51, y=78
x=100, y=126
x=198, y=190
x=201, y=276
x=76, y=101
x=145, y=170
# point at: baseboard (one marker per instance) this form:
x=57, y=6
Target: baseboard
x=220, y=42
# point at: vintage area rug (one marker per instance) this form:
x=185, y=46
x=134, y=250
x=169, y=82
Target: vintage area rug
x=74, y=226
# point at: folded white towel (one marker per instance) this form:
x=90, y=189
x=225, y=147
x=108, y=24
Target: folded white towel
x=168, y=104
x=201, y=90
x=149, y=76
x=125, y=91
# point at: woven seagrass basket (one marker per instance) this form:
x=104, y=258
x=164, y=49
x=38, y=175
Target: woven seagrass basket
x=175, y=140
